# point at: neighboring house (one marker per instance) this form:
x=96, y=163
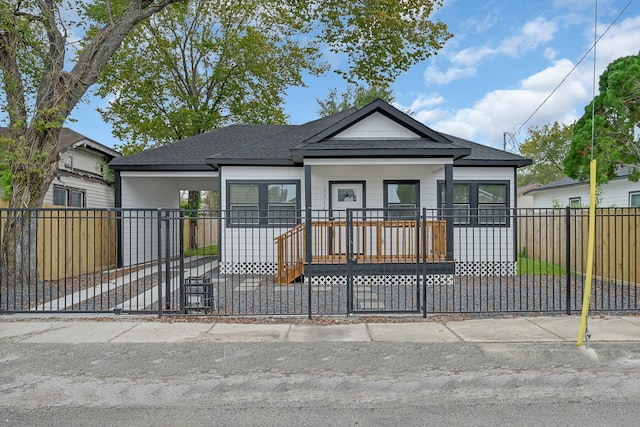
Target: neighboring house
x=83, y=176
x=618, y=192
x=373, y=157
x=525, y=200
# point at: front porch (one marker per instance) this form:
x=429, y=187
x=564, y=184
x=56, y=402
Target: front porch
x=363, y=247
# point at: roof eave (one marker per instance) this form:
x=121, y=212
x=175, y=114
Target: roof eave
x=168, y=168
x=493, y=162
x=299, y=154
x=249, y=162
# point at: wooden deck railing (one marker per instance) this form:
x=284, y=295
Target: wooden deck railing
x=374, y=241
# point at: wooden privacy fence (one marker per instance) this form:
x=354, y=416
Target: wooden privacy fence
x=72, y=242
x=205, y=232
x=560, y=236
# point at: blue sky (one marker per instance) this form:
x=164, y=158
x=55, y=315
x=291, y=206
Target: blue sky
x=506, y=58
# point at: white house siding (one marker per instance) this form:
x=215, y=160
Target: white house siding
x=485, y=250
x=252, y=250
x=376, y=126
x=374, y=176
x=476, y=249
x=613, y=194
x=97, y=195
x=145, y=193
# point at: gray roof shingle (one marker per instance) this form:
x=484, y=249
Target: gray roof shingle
x=192, y=153
x=288, y=144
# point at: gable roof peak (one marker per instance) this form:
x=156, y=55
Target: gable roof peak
x=384, y=108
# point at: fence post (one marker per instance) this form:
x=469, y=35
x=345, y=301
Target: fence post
x=568, y=256
x=159, y=231
x=167, y=251
x=423, y=260
x=180, y=226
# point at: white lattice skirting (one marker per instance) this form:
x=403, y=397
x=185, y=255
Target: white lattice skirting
x=258, y=268
x=377, y=280
x=470, y=268
x=486, y=268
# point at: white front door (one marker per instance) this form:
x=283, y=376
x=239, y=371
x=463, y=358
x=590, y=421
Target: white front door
x=345, y=195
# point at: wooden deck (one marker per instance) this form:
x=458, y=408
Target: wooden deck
x=405, y=243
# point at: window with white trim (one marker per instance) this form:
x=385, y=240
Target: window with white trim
x=258, y=203
x=634, y=199
x=478, y=203
x=66, y=196
x=575, y=202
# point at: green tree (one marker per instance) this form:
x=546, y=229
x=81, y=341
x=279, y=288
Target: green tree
x=40, y=86
x=202, y=65
x=546, y=146
x=207, y=64
x=616, y=140
x=354, y=96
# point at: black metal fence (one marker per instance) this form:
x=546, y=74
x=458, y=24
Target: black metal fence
x=316, y=262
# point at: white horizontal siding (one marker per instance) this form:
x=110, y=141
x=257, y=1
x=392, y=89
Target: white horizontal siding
x=376, y=126
x=97, y=195
x=613, y=194
x=152, y=191
x=428, y=175
x=483, y=244
x=479, y=244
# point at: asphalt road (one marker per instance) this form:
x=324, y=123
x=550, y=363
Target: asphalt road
x=298, y=384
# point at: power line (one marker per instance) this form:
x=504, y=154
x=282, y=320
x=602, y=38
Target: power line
x=574, y=68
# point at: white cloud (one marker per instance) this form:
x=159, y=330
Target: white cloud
x=472, y=55
x=621, y=40
x=532, y=35
x=423, y=101
x=433, y=75
x=505, y=110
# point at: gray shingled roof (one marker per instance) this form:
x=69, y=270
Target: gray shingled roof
x=191, y=153
x=276, y=148
x=485, y=155
x=288, y=144
x=69, y=138
x=621, y=173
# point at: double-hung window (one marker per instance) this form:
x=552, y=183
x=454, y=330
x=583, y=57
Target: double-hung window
x=477, y=203
x=263, y=203
x=65, y=196
x=401, y=198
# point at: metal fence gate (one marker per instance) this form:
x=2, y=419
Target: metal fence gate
x=383, y=260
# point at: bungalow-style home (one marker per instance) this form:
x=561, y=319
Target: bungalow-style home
x=83, y=179
x=618, y=192
x=285, y=191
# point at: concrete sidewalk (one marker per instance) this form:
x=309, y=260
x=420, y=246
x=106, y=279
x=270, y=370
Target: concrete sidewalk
x=131, y=330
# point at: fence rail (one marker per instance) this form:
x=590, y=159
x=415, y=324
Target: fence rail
x=138, y=260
